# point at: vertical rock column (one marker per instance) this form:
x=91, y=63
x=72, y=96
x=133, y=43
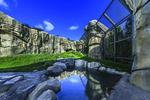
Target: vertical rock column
x=34, y=41
x=141, y=65
x=6, y=37
x=93, y=38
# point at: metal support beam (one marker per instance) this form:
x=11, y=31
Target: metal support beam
x=106, y=10
x=109, y=19
x=115, y=44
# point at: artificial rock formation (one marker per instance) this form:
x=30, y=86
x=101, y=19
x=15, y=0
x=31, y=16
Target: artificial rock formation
x=17, y=38
x=93, y=38
x=141, y=65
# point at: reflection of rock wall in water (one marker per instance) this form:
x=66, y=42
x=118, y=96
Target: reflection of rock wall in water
x=100, y=84
x=17, y=38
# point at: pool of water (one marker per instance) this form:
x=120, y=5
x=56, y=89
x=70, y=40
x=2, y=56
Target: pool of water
x=73, y=88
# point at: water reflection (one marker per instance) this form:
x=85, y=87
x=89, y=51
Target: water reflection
x=94, y=85
x=72, y=86
x=100, y=84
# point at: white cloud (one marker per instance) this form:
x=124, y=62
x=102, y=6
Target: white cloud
x=73, y=27
x=48, y=25
x=39, y=26
x=3, y=3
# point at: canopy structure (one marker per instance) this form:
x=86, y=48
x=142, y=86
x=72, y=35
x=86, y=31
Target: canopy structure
x=114, y=14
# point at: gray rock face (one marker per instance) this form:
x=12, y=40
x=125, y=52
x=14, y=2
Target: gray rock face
x=25, y=39
x=47, y=95
x=124, y=90
x=40, y=88
x=141, y=43
x=141, y=79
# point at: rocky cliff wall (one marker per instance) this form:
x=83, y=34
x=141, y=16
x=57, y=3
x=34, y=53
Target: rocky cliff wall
x=17, y=38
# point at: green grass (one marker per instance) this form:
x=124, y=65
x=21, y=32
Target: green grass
x=33, y=62
x=125, y=67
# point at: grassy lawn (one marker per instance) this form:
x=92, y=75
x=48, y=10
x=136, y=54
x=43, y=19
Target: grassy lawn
x=33, y=62
x=125, y=67
x=42, y=61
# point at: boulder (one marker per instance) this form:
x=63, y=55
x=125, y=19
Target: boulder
x=102, y=68
x=113, y=71
x=80, y=64
x=70, y=63
x=54, y=71
x=6, y=85
x=1, y=82
x=110, y=70
x=61, y=65
x=19, y=91
x=14, y=79
x=53, y=84
x=6, y=77
x=94, y=65
x=47, y=95
x=5, y=88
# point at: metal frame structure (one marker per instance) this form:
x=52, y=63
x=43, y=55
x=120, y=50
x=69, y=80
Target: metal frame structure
x=115, y=25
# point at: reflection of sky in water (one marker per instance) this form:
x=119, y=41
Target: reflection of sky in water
x=72, y=89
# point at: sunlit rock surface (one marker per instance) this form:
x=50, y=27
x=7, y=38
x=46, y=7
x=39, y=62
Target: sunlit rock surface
x=17, y=38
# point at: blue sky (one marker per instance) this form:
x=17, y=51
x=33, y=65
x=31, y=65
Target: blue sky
x=65, y=18
x=60, y=17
